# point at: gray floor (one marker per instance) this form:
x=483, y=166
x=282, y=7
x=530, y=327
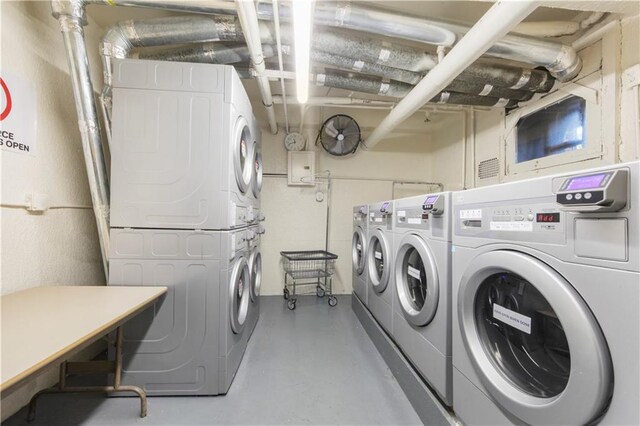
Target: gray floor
x=315, y=365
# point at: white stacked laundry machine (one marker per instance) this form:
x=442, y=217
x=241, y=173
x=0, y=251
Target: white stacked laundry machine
x=186, y=177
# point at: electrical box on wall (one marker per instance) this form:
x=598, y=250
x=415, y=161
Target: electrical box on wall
x=302, y=168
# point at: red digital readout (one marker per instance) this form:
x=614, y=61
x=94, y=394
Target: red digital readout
x=548, y=217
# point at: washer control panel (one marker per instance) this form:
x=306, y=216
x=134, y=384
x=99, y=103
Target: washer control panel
x=433, y=204
x=602, y=191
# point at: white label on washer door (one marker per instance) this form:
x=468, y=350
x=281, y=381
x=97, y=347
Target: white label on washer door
x=415, y=273
x=358, y=246
x=471, y=214
x=511, y=226
x=414, y=220
x=377, y=255
x=512, y=318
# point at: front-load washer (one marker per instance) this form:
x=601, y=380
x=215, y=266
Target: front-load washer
x=181, y=147
x=546, y=283
x=256, y=179
x=379, y=263
x=359, y=252
x=192, y=342
x=254, y=234
x=422, y=277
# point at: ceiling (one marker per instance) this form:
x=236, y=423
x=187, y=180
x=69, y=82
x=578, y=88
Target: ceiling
x=461, y=11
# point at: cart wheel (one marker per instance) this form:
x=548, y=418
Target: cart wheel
x=333, y=301
x=286, y=293
x=319, y=291
x=291, y=304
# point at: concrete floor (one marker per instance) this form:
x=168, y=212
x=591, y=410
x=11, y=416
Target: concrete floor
x=315, y=365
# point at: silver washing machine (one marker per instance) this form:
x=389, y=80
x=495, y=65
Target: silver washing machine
x=379, y=262
x=191, y=342
x=422, y=277
x=254, y=234
x=546, y=284
x=359, y=252
x=182, y=149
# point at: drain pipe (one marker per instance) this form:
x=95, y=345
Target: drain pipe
x=249, y=22
x=497, y=22
x=71, y=22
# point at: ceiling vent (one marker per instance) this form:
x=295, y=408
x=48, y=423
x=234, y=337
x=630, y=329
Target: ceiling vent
x=488, y=168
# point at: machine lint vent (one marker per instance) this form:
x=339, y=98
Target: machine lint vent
x=488, y=168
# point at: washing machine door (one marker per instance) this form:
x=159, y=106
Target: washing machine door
x=242, y=154
x=378, y=254
x=533, y=341
x=417, y=284
x=358, y=251
x=257, y=173
x=239, y=294
x=256, y=274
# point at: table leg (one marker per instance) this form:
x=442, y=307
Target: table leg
x=92, y=366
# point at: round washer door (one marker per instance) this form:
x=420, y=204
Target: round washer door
x=256, y=186
x=358, y=251
x=416, y=276
x=378, y=254
x=533, y=341
x=256, y=274
x=242, y=154
x=239, y=294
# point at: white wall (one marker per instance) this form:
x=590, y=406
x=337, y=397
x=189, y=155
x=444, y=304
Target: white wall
x=296, y=221
x=60, y=246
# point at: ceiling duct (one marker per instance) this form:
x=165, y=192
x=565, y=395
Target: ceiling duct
x=378, y=86
x=559, y=59
x=207, y=53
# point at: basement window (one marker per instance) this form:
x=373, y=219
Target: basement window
x=556, y=129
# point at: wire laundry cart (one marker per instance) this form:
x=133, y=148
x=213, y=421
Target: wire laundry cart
x=308, y=268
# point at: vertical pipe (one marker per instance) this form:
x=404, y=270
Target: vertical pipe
x=249, y=22
x=276, y=24
x=73, y=35
x=497, y=22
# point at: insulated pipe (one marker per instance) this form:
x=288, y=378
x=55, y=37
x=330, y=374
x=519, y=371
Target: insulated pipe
x=498, y=21
x=207, y=53
x=249, y=22
x=561, y=60
x=372, y=51
x=407, y=79
x=358, y=83
x=73, y=35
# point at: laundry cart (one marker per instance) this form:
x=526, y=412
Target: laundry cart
x=305, y=269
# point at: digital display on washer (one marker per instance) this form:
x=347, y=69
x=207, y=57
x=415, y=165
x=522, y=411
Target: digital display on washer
x=384, y=207
x=431, y=200
x=548, y=217
x=586, y=182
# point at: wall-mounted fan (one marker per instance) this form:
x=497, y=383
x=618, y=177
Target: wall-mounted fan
x=340, y=135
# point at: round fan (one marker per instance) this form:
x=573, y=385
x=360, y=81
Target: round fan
x=340, y=135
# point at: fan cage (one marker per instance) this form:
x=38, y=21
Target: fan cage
x=319, y=138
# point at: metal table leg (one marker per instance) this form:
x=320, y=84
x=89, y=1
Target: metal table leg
x=114, y=367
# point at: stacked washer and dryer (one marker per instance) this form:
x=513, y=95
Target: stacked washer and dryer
x=185, y=211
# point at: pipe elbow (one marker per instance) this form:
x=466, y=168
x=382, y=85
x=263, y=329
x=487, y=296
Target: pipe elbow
x=116, y=42
x=567, y=66
x=72, y=8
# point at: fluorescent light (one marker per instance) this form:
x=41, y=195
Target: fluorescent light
x=302, y=25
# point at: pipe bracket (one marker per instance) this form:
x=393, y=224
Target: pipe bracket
x=70, y=24
x=69, y=8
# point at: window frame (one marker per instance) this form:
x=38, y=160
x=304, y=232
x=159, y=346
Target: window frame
x=589, y=89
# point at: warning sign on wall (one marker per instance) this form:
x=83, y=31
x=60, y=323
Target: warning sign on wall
x=18, y=120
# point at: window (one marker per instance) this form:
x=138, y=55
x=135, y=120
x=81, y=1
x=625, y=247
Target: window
x=556, y=129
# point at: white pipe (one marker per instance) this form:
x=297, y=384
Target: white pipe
x=557, y=28
x=249, y=23
x=303, y=112
x=593, y=36
x=276, y=24
x=464, y=149
x=497, y=22
x=473, y=149
x=346, y=102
